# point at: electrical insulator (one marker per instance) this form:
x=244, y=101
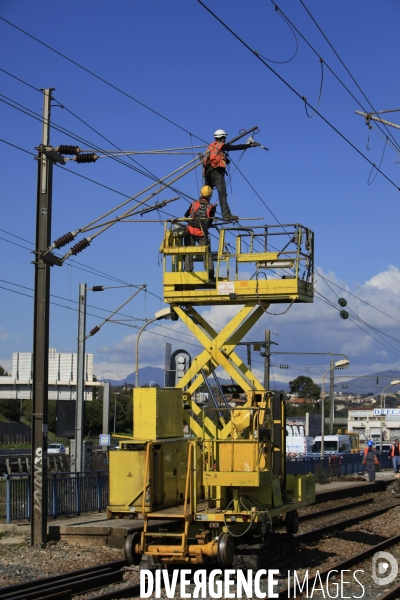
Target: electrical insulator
x=94, y=330
x=80, y=246
x=97, y=288
x=67, y=150
x=283, y=366
x=344, y=314
x=86, y=158
x=63, y=240
x=342, y=302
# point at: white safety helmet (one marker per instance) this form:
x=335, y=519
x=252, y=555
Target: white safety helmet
x=220, y=133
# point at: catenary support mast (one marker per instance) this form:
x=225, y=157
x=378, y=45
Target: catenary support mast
x=41, y=337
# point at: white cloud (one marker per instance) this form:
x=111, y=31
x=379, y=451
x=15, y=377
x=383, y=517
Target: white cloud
x=4, y=335
x=313, y=327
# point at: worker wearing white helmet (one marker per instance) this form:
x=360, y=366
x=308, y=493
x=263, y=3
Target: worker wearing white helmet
x=215, y=161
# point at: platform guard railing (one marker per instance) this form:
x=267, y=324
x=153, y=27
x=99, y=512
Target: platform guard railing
x=67, y=494
x=336, y=466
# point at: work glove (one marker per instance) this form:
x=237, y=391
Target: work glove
x=252, y=143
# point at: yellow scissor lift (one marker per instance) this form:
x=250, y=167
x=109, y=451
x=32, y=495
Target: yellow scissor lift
x=228, y=475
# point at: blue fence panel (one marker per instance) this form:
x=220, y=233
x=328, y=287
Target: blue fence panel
x=67, y=493
x=350, y=464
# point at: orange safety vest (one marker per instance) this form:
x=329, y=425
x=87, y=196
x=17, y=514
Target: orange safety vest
x=215, y=156
x=200, y=213
x=376, y=461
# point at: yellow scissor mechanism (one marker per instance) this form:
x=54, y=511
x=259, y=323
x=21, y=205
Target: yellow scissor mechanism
x=230, y=478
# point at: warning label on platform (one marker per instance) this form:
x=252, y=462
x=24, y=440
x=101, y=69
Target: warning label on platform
x=226, y=287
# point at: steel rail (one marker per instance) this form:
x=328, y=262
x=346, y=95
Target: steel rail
x=344, y=565
x=317, y=533
x=334, y=509
x=66, y=585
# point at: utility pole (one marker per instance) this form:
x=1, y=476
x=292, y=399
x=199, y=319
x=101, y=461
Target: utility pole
x=106, y=407
x=267, y=359
x=80, y=380
x=249, y=356
x=331, y=401
x=41, y=336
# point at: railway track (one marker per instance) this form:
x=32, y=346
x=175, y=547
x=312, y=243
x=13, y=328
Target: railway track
x=354, y=563
x=68, y=586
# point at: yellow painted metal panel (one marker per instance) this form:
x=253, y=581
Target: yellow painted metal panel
x=183, y=278
x=239, y=456
x=126, y=478
x=186, y=250
x=232, y=479
x=175, y=456
x=157, y=413
x=257, y=257
x=271, y=291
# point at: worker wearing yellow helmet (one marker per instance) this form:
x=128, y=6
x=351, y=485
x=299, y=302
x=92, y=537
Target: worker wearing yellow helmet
x=201, y=213
x=214, y=167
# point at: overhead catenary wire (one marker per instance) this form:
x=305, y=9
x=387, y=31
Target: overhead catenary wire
x=114, y=322
x=255, y=53
x=280, y=11
x=330, y=303
x=100, y=78
x=341, y=61
x=98, y=327
x=146, y=173
x=185, y=196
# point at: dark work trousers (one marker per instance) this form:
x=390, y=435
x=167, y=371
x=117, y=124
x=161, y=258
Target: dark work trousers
x=371, y=470
x=201, y=240
x=215, y=178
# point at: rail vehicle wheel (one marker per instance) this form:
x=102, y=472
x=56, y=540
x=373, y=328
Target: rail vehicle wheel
x=292, y=522
x=225, y=550
x=131, y=556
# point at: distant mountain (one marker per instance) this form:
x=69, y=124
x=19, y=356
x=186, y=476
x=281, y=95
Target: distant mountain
x=156, y=375
x=146, y=374
x=364, y=385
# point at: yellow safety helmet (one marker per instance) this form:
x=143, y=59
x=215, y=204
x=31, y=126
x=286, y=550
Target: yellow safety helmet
x=206, y=191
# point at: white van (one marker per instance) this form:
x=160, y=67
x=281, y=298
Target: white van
x=333, y=444
x=298, y=445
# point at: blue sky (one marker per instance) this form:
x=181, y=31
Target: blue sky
x=175, y=58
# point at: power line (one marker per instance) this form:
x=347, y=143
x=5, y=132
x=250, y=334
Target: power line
x=30, y=113
x=343, y=64
x=101, y=79
x=354, y=296
x=279, y=10
x=100, y=317
x=256, y=54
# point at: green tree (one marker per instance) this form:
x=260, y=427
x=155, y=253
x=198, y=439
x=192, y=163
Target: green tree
x=10, y=409
x=305, y=387
x=93, y=417
x=3, y=372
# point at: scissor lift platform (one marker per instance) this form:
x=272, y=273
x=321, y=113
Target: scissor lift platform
x=268, y=264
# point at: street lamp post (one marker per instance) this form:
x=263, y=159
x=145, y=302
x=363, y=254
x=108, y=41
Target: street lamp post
x=338, y=363
x=394, y=382
x=165, y=313
x=115, y=408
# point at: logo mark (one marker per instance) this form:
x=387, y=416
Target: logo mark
x=384, y=568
